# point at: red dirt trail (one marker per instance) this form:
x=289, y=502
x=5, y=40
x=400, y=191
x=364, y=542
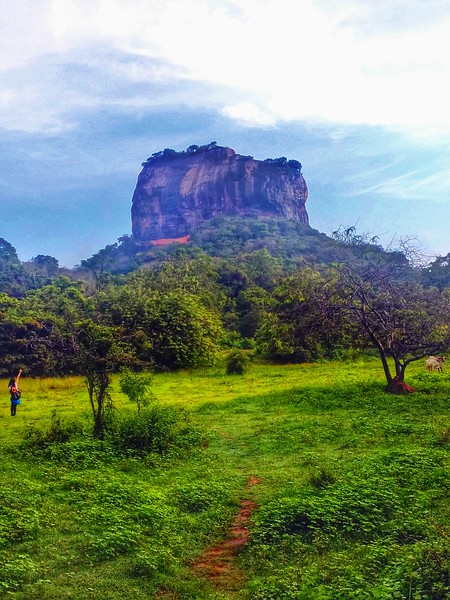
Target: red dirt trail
x=217, y=564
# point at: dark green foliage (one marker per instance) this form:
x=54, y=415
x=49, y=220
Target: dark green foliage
x=267, y=287
x=17, y=278
x=284, y=239
x=322, y=479
x=437, y=273
x=304, y=323
x=236, y=362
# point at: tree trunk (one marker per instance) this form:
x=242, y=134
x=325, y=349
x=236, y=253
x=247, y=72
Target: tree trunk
x=98, y=420
x=384, y=362
x=397, y=386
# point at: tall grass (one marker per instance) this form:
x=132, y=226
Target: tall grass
x=352, y=500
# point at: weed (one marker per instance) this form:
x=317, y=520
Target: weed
x=197, y=497
x=148, y=562
x=322, y=479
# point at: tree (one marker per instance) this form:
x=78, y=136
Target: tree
x=262, y=268
x=438, y=272
x=305, y=322
x=8, y=254
x=137, y=387
x=45, y=263
x=403, y=320
x=100, y=263
x=252, y=305
x=13, y=279
x=180, y=330
x=99, y=352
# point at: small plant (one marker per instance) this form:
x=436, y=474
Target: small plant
x=137, y=387
x=322, y=479
x=112, y=541
x=150, y=561
x=197, y=497
x=237, y=362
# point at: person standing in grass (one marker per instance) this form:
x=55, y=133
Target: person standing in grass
x=13, y=387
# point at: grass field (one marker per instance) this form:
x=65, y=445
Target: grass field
x=349, y=496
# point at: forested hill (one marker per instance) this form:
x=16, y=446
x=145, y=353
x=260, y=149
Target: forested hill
x=233, y=239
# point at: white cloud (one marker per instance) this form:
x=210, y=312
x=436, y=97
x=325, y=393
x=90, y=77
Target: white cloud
x=350, y=61
x=248, y=114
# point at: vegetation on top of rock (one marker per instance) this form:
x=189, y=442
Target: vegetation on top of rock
x=194, y=149
x=190, y=151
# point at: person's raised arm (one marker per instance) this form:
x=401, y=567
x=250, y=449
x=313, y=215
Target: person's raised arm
x=18, y=377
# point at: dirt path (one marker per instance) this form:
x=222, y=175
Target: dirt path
x=218, y=564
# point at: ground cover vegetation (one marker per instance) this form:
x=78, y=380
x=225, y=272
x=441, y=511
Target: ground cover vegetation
x=350, y=499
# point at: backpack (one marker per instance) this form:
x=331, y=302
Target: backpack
x=15, y=394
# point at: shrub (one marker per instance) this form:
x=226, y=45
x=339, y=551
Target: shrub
x=156, y=558
x=112, y=541
x=236, y=363
x=156, y=429
x=60, y=431
x=322, y=478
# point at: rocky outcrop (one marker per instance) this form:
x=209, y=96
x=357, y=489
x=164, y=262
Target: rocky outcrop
x=177, y=191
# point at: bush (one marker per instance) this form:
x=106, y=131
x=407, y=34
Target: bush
x=236, y=363
x=157, y=558
x=60, y=431
x=156, y=429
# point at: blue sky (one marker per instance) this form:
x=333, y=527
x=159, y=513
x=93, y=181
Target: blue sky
x=357, y=91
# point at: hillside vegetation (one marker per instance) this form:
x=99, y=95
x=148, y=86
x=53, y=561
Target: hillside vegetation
x=349, y=494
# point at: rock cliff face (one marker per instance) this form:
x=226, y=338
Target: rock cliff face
x=177, y=191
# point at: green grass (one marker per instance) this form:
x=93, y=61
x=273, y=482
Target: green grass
x=352, y=502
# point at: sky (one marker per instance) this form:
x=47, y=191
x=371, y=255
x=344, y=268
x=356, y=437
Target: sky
x=358, y=91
